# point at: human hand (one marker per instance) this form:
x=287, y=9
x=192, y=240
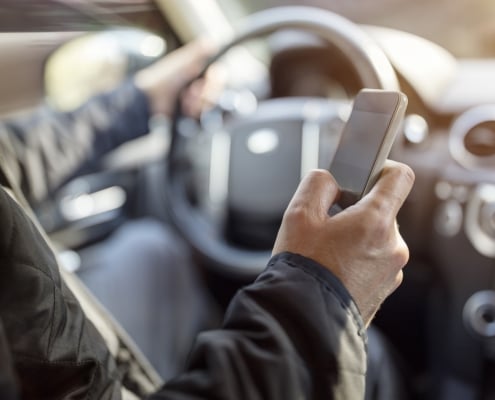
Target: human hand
x=163, y=80
x=361, y=245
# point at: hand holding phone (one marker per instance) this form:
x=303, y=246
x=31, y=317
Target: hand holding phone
x=366, y=141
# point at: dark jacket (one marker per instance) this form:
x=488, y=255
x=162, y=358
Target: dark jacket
x=45, y=148
x=56, y=352
x=293, y=334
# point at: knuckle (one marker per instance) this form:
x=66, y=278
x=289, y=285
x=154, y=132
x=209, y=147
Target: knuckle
x=401, y=255
x=401, y=171
x=320, y=175
x=377, y=209
x=296, y=215
x=381, y=210
x=398, y=279
x=407, y=173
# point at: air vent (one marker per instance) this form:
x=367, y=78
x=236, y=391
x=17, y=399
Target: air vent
x=472, y=138
x=480, y=140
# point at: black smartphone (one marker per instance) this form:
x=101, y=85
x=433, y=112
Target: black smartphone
x=366, y=141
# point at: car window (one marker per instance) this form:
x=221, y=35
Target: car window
x=464, y=27
x=43, y=16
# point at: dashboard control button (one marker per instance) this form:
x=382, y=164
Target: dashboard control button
x=479, y=314
x=448, y=218
x=480, y=219
x=415, y=128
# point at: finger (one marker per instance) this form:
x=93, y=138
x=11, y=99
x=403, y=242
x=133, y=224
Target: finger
x=215, y=81
x=318, y=191
x=191, y=99
x=195, y=51
x=188, y=61
x=393, y=187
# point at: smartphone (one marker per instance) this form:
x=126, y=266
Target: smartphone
x=365, y=142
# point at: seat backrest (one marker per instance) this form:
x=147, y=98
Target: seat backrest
x=62, y=341
x=8, y=382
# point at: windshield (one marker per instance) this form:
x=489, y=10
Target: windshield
x=464, y=27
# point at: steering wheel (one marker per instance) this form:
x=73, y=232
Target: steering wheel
x=256, y=159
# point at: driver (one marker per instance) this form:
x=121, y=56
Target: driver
x=297, y=332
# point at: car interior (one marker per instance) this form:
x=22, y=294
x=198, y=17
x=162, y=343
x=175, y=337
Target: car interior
x=222, y=181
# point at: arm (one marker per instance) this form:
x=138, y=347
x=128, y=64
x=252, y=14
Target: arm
x=299, y=331
x=282, y=339
x=44, y=149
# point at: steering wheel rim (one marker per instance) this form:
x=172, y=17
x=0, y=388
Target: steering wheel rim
x=372, y=67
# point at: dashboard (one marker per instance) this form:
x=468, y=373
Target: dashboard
x=447, y=301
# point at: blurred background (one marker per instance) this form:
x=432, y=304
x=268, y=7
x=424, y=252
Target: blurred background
x=465, y=27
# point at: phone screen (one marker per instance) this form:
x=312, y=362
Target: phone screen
x=366, y=141
x=364, y=135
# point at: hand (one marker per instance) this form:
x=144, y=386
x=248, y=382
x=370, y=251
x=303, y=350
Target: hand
x=361, y=245
x=163, y=80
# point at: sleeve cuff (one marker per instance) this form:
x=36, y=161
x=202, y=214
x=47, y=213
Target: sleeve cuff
x=325, y=278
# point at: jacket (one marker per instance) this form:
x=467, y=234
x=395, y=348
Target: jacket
x=295, y=333
x=44, y=149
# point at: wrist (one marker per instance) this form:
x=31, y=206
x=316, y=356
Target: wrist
x=324, y=275
x=144, y=83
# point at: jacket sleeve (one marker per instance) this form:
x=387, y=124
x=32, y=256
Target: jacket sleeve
x=293, y=334
x=45, y=148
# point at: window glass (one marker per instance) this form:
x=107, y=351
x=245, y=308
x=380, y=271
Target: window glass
x=464, y=27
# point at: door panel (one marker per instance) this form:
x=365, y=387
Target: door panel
x=21, y=67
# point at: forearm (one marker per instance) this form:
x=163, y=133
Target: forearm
x=45, y=149
x=293, y=334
